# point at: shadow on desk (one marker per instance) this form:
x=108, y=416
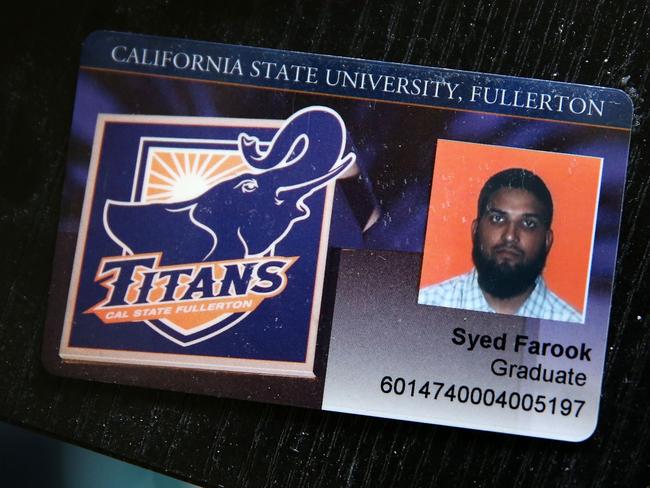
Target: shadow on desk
x=29, y=459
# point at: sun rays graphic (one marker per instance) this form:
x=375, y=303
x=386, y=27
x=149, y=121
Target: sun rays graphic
x=177, y=175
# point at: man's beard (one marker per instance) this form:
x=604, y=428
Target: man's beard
x=506, y=280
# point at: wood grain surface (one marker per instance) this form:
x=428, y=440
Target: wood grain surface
x=219, y=442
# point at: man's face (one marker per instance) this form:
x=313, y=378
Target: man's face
x=511, y=242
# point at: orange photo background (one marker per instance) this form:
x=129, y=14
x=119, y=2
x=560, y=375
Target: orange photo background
x=461, y=169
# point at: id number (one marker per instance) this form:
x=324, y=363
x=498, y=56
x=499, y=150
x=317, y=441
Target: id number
x=475, y=395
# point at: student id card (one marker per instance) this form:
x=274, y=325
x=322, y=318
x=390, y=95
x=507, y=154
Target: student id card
x=357, y=236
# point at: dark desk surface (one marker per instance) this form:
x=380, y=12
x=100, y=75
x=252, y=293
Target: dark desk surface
x=232, y=443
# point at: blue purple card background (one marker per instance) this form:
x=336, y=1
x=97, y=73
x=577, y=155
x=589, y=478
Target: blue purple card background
x=395, y=145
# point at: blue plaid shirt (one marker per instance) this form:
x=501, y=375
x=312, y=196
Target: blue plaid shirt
x=464, y=292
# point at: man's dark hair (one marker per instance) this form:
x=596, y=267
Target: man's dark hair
x=518, y=179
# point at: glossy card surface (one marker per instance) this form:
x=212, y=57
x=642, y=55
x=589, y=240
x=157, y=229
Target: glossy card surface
x=358, y=236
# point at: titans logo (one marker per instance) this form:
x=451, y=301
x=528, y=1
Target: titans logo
x=211, y=227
